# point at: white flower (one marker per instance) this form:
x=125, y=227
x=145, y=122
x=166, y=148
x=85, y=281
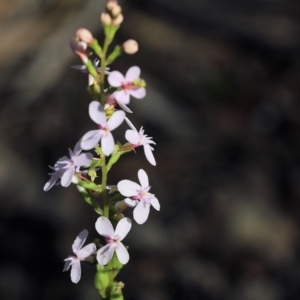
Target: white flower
x=113, y=239
x=80, y=255
x=138, y=138
x=127, y=85
x=139, y=196
x=65, y=167
x=83, y=69
x=91, y=138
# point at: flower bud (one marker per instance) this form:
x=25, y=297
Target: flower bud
x=130, y=47
x=111, y=4
x=116, y=10
x=79, y=48
x=118, y=20
x=105, y=19
x=84, y=35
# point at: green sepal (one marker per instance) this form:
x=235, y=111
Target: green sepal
x=116, y=53
x=92, y=173
x=89, y=199
x=96, y=47
x=102, y=280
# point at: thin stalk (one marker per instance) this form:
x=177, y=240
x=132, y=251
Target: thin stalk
x=103, y=185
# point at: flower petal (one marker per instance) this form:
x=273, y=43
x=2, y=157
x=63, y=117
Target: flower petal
x=105, y=254
x=132, y=136
x=116, y=119
x=50, y=183
x=77, y=149
x=125, y=108
x=133, y=73
x=141, y=212
x=76, y=272
x=97, y=113
x=83, y=159
x=104, y=227
x=108, y=144
x=122, y=254
x=123, y=227
x=130, y=124
x=154, y=202
x=68, y=263
x=149, y=155
x=128, y=188
x=130, y=202
x=122, y=97
x=115, y=78
x=66, y=179
x=143, y=178
x=138, y=93
x=79, y=241
x=86, y=251
x=90, y=139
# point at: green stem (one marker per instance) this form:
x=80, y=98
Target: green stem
x=103, y=185
x=107, y=42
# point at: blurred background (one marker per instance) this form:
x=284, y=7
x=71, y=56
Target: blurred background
x=223, y=107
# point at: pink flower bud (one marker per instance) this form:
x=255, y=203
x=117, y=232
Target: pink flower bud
x=105, y=19
x=84, y=35
x=116, y=10
x=130, y=47
x=111, y=4
x=79, y=48
x=118, y=20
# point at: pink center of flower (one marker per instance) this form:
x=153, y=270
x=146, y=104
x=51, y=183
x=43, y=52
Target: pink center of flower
x=128, y=86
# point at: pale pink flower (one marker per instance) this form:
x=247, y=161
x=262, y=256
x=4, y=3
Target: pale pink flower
x=139, y=196
x=126, y=85
x=80, y=255
x=138, y=138
x=65, y=167
x=113, y=239
x=92, y=138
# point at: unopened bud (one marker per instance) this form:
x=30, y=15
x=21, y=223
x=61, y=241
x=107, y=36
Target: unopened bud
x=84, y=35
x=116, y=10
x=130, y=47
x=105, y=19
x=111, y=4
x=118, y=20
x=79, y=48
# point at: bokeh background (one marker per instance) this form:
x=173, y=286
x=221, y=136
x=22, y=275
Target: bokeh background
x=223, y=106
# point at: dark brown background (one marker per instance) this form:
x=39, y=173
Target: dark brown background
x=223, y=106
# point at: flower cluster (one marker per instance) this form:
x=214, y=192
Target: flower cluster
x=111, y=93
